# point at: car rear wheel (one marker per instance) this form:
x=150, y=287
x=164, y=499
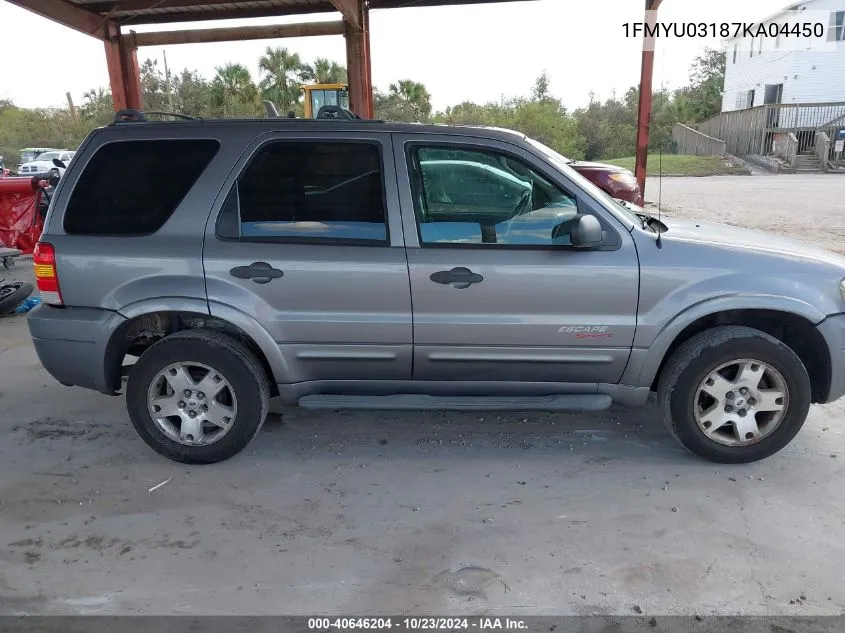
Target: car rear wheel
x=734, y=394
x=197, y=396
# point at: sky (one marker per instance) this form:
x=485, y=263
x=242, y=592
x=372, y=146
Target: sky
x=473, y=52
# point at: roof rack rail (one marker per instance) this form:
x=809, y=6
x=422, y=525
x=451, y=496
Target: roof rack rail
x=130, y=115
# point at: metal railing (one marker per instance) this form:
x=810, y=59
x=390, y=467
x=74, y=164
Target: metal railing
x=695, y=143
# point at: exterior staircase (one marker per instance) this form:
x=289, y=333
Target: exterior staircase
x=807, y=163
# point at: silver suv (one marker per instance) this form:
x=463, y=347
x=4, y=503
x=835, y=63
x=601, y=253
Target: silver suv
x=360, y=264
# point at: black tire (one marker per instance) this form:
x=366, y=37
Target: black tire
x=12, y=295
x=690, y=364
x=226, y=355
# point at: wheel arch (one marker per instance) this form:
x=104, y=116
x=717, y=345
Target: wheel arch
x=151, y=321
x=789, y=320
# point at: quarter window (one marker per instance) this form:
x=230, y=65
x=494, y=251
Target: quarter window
x=133, y=187
x=310, y=191
x=474, y=197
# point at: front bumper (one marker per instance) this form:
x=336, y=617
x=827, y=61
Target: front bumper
x=833, y=331
x=76, y=347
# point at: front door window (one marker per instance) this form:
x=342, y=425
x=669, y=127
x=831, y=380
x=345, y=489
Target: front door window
x=483, y=198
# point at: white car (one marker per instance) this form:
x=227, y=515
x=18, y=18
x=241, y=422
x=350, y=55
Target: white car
x=44, y=163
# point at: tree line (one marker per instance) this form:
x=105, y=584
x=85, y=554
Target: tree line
x=600, y=130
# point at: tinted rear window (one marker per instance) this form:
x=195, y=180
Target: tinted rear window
x=133, y=187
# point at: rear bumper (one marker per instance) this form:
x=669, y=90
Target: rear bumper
x=833, y=331
x=73, y=345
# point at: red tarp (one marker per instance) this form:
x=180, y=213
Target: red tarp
x=20, y=222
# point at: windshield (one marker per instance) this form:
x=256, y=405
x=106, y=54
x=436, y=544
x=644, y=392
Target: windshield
x=48, y=156
x=563, y=163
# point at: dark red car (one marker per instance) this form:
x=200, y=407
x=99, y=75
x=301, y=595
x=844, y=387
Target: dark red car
x=617, y=181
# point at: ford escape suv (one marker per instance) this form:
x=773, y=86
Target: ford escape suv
x=205, y=267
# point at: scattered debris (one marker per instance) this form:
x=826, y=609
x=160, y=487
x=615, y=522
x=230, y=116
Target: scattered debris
x=674, y=508
x=638, y=608
x=698, y=617
x=731, y=478
x=157, y=486
x=666, y=486
x=652, y=622
x=382, y=442
x=415, y=509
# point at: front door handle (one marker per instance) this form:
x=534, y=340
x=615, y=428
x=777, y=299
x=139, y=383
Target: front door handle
x=258, y=272
x=459, y=277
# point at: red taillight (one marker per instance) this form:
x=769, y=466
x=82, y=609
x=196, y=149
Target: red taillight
x=44, y=260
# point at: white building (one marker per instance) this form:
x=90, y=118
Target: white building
x=788, y=69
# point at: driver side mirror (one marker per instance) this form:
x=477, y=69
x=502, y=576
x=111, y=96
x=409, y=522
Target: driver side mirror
x=586, y=232
x=59, y=163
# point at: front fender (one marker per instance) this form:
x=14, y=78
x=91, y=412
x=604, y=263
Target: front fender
x=646, y=359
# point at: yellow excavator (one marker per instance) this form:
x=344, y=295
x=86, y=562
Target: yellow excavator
x=333, y=99
x=319, y=95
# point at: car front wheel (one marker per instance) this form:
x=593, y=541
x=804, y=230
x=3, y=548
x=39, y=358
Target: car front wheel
x=734, y=394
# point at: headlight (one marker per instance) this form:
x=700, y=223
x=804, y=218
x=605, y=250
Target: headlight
x=842, y=289
x=626, y=179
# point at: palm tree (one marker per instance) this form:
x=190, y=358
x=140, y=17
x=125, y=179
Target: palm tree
x=414, y=96
x=324, y=71
x=97, y=105
x=282, y=72
x=233, y=90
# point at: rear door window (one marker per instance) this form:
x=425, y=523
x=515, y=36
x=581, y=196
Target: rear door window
x=133, y=187
x=307, y=191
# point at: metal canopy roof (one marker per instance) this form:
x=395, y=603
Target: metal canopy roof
x=161, y=11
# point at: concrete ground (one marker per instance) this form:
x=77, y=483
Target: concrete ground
x=809, y=207
x=377, y=513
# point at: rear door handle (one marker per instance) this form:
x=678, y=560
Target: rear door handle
x=459, y=277
x=258, y=272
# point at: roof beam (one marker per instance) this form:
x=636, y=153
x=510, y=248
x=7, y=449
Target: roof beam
x=68, y=14
x=107, y=6
x=351, y=11
x=202, y=36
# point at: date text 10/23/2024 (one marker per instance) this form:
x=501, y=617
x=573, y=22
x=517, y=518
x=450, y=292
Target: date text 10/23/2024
x=416, y=624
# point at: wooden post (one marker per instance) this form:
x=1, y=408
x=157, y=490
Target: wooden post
x=118, y=87
x=646, y=79
x=71, y=107
x=131, y=72
x=167, y=82
x=124, y=74
x=358, y=63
